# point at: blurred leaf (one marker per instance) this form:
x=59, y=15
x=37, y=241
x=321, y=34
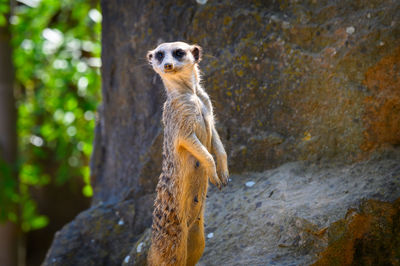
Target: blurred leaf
x=87, y=191
x=4, y=9
x=29, y=174
x=2, y=20
x=39, y=222
x=8, y=191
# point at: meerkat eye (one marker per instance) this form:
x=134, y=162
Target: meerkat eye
x=179, y=53
x=159, y=56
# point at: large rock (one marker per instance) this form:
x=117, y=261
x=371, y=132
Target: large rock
x=290, y=81
x=101, y=235
x=370, y=236
x=300, y=213
x=285, y=217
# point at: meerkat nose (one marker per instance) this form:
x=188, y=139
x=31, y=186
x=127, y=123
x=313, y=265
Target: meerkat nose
x=168, y=66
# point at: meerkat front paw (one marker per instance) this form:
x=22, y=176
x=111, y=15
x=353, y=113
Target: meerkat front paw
x=222, y=170
x=215, y=180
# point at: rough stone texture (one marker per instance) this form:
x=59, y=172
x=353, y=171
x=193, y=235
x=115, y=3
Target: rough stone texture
x=368, y=237
x=281, y=220
x=290, y=81
x=139, y=251
x=101, y=235
x=301, y=212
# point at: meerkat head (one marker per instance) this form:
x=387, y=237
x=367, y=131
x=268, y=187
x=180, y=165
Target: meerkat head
x=175, y=59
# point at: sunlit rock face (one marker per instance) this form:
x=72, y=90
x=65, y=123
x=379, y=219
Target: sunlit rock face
x=314, y=81
x=297, y=81
x=289, y=81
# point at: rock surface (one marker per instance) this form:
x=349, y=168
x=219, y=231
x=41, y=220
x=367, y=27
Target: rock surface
x=289, y=81
x=282, y=219
x=302, y=212
x=314, y=81
x=368, y=237
x=101, y=235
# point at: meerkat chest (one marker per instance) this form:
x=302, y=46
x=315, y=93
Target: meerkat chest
x=204, y=120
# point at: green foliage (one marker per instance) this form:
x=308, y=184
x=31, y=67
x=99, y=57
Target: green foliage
x=8, y=196
x=4, y=9
x=57, y=58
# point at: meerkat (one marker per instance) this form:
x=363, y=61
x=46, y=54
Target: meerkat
x=190, y=139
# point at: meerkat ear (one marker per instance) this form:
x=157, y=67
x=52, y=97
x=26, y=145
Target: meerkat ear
x=149, y=56
x=197, y=52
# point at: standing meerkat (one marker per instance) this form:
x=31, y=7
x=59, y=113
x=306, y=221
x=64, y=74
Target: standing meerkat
x=190, y=139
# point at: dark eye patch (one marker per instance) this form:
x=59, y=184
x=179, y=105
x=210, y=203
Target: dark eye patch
x=160, y=56
x=179, y=53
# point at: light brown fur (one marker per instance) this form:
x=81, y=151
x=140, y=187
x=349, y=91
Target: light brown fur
x=189, y=139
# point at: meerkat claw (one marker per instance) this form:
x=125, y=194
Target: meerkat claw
x=224, y=178
x=216, y=182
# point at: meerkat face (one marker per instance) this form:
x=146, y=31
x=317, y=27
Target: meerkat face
x=174, y=58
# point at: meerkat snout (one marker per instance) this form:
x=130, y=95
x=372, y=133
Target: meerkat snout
x=168, y=66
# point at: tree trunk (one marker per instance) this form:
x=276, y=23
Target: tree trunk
x=8, y=140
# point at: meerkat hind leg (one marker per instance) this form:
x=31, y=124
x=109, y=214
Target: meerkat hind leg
x=196, y=242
